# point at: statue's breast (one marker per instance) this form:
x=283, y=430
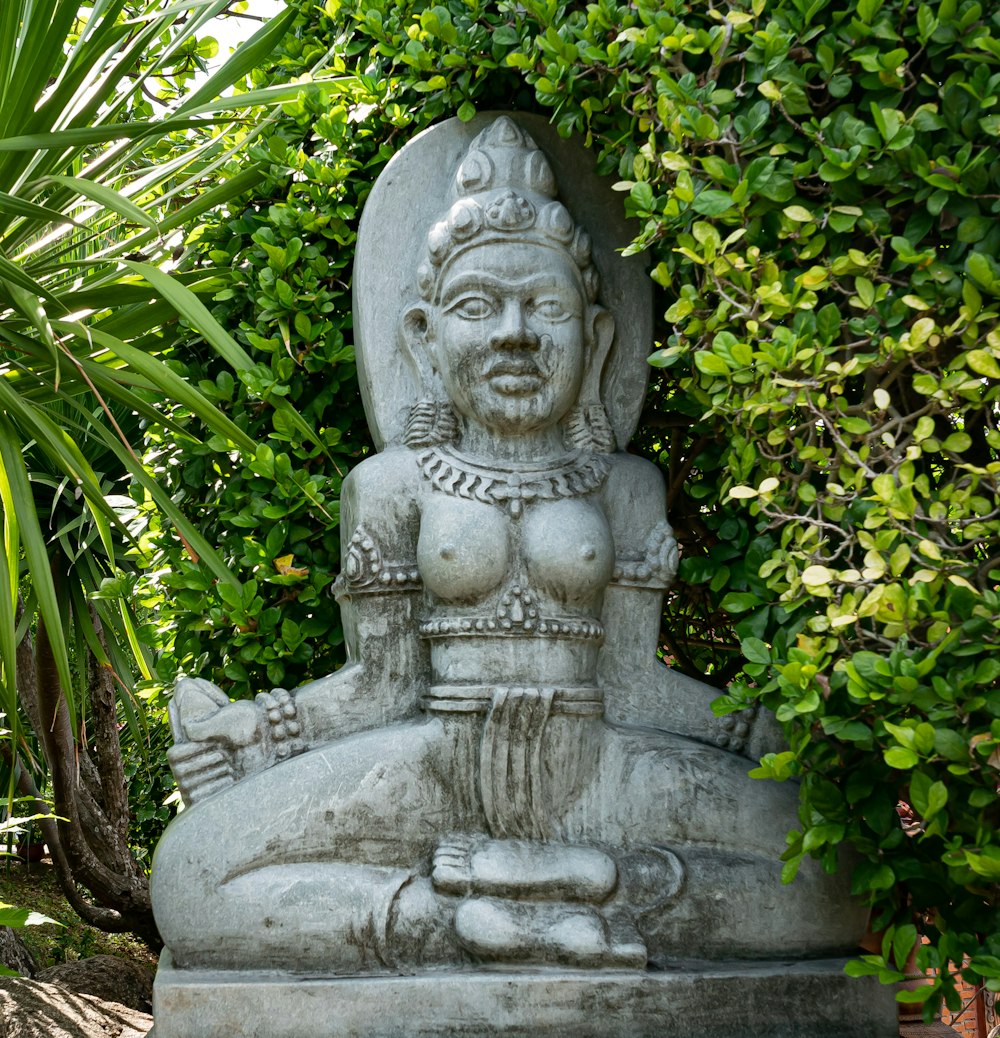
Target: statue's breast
x=467, y=550
x=463, y=550
x=567, y=549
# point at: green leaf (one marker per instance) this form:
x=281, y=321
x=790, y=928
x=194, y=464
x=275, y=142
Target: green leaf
x=958, y=442
x=903, y=941
x=710, y=363
x=21, y=207
x=112, y=200
x=798, y=213
x=918, y=995
x=983, y=363
x=21, y=917
x=274, y=95
x=981, y=269
x=167, y=382
x=859, y=968
x=755, y=650
x=937, y=798
x=713, y=203
x=901, y=758
x=247, y=57
x=986, y=864
x=190, y=307
x=920, y=784
x=816, y=576
x=83, y=136
x=17, y=500
x=950, y=744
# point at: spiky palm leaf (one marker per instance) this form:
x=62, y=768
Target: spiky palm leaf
x=88, y=319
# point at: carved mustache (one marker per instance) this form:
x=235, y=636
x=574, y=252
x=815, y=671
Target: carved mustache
x=521, y=362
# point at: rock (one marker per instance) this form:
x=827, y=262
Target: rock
x=105, y=977
x=14, y=953
x=30, y=1009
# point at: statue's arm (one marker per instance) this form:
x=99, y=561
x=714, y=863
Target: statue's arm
x=380, y=595
x=639, y=688
x=218, y=742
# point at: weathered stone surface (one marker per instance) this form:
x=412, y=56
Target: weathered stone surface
x=503, y=777
x=31, y=1009
x=14, y=953
x=105, y=977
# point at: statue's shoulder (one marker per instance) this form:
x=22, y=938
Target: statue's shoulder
x=634, y=485
x=386, y=474
x=381, y=493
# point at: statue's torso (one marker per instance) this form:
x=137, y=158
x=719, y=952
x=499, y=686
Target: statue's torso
x=514, y=588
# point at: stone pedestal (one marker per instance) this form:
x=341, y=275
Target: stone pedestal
x=712, y=1000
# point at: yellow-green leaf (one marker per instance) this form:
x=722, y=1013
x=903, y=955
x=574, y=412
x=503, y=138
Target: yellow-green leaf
x=798, y=213
x=816, y=576
x=983, y=363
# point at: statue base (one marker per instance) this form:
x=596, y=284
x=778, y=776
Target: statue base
x=706, y=1000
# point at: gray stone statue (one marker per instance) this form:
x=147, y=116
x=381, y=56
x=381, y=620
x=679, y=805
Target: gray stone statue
x=503, y=780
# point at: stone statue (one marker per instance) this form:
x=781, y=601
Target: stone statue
x=503, y=776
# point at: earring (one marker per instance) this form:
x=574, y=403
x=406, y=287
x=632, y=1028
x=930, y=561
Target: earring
x=589, y=428
x=429, y=423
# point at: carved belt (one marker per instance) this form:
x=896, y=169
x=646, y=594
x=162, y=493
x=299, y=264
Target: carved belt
x=586, y=701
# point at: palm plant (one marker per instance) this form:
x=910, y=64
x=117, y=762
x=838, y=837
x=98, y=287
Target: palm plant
x=107, y=147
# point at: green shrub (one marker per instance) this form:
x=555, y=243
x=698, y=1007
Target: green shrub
x=816, y=184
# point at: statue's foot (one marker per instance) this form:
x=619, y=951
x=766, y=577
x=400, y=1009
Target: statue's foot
x=522, y=868
x=548, y=933
x=649, y=878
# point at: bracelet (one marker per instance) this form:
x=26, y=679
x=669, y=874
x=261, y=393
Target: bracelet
x=282, y=716
x=735, y=729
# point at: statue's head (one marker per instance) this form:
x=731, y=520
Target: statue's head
x=508, y=328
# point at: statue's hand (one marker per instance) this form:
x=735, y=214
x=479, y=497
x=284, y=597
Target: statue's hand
x=658, y=565
x=209, y=732
x=202, y=712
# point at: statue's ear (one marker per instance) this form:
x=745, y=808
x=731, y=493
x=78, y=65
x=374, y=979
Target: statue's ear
x=418, y=340
x=416, y=325
x=601, y=332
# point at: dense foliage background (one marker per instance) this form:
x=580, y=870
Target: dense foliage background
x=816, y=185
x=112, y=137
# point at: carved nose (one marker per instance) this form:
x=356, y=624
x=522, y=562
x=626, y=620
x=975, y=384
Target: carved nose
x=513, y=332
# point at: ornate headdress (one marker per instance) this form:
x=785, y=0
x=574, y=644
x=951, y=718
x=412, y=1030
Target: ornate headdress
x=504, y=191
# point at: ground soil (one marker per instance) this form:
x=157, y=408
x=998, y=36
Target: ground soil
x=33, y=885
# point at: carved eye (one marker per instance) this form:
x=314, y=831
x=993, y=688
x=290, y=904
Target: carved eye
x=473, y=308
x=551, y=309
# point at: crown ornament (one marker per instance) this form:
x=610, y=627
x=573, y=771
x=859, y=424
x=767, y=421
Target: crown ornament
x=504, y=190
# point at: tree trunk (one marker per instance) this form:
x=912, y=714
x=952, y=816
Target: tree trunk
x=88, y=835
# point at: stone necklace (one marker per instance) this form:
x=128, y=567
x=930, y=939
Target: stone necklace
x=575, y=475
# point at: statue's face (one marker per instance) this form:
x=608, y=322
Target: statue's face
x=508, y=336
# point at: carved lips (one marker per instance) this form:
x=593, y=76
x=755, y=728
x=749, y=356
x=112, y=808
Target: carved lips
x=515, y=376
